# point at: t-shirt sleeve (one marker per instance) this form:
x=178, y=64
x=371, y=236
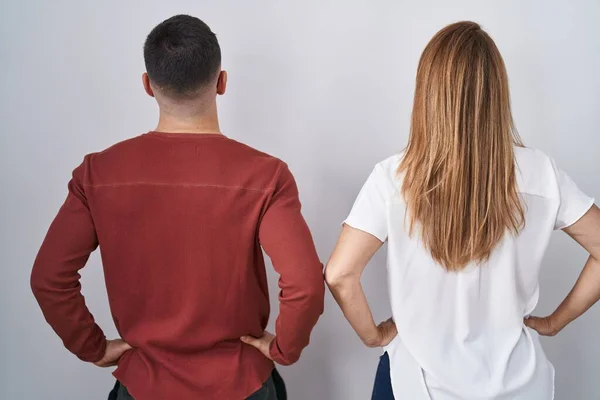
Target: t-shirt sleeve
x=573, y=202
x=369, y=213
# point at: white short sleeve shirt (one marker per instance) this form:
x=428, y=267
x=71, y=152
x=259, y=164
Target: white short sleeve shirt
x=461, y=334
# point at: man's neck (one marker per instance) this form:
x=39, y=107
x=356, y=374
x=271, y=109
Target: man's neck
x=197, y=124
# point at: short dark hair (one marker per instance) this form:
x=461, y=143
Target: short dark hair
x=182, y=54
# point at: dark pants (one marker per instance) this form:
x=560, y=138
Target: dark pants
x=272, y=389
x=382, y=390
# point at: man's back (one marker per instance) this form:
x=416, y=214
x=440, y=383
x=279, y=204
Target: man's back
x=180, y=220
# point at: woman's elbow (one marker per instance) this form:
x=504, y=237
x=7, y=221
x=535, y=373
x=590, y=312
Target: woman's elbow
x=338, y=279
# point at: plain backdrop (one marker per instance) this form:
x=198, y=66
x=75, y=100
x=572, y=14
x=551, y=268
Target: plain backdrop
x=325, y=85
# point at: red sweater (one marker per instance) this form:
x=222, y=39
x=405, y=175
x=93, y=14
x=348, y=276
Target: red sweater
x=181, y=221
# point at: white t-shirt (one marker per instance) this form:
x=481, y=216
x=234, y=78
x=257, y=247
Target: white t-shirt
x=461, y=335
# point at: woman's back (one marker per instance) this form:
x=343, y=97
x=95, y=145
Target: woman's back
x=461, y=334
x=468, y=213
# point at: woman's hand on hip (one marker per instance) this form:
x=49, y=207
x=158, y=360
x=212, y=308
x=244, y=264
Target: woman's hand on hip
x=544, y=326
x=386, y=332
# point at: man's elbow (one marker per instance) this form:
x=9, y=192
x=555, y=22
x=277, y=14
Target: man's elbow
x=310, y=297
x=41, y=283
x=37, y=282
x=316, y=293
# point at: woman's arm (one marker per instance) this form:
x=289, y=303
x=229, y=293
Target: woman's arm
x=352, y=252
x=586, y=291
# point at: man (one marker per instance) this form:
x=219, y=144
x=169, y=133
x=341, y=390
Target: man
x=180, y=215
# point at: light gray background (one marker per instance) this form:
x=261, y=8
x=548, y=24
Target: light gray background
x=326, y=86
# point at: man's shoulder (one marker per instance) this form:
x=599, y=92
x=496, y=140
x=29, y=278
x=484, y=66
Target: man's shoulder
x=138, y=155
x=253, y=153
x=255, y=160
x=118, y=149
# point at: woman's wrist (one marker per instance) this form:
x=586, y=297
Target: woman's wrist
x=373, y=338
x=557, y=322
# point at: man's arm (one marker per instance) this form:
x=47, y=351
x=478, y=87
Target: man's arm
x=55, y=277
x=286, y=239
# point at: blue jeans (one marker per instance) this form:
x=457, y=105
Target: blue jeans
x=382, y=390
x=273, y=389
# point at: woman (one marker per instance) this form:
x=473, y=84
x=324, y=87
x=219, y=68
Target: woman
x=467, y=212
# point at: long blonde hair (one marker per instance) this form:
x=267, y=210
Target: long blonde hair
x=458, y=170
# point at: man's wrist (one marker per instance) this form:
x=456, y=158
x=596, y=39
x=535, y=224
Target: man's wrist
x=99, y=355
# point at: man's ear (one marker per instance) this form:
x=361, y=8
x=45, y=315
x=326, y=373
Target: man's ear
x=222, y=83
x=146, y=83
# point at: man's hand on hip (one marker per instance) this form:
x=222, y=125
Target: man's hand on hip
x=113, y=353
x=263, y=344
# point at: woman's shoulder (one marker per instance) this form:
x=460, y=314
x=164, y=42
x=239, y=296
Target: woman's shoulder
x=385, y=177
x=388, y=168
x=536, y=172
x=531, y=155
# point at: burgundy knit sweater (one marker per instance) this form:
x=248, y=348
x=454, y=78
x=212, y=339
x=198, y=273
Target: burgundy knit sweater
x=181, y=221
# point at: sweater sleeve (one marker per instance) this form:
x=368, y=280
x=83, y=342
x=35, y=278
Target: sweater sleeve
x=55, y=277
x=286, y=238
